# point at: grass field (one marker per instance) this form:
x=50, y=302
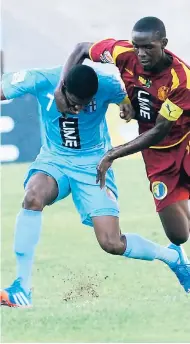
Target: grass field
x=82, y=294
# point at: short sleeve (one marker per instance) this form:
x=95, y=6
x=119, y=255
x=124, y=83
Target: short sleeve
x=19, y=83
x=102, y=51
x=109, y=50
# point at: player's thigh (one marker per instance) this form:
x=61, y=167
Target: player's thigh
x=175, y=219
x=91, y=201
x=47, y=183
x=41, y=187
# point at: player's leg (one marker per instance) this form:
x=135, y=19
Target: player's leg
x=175, y=219
x=168, y=175
x=174, y=212
x=42, y=187
x=108, y=234
x=134, y=246
x=41, y=190
x=130, y=245
x=99, y=208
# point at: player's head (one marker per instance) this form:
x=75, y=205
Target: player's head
x=149, y=40
x=80, y=86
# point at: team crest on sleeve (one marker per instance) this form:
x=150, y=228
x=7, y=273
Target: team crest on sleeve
x=159, y=190
x=106, y=57
x=163, y=93
x=18, y=77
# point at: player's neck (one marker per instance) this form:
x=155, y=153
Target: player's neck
x=163, y=63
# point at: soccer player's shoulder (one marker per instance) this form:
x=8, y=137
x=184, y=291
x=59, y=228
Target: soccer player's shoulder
x=110, y=74
x=180, y=71
x=48, y=75
x=123, y=50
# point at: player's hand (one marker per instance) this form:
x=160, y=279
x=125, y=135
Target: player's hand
x=127, y=112
x=104, y=164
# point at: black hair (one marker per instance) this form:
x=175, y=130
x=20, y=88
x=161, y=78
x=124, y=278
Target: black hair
x=150, y=24
x=82, y=82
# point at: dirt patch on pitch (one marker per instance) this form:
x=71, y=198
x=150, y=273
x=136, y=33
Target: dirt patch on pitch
x=83, y=287
x=83, y=290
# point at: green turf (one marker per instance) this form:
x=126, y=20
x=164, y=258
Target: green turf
x=82, y=294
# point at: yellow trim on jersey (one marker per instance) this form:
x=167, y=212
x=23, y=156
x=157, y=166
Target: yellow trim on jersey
x=129, y=71
x=187, y=72
x=119, y=50
x=170, y=111
x=175, y=79
x=174, y=144
x=142, y=80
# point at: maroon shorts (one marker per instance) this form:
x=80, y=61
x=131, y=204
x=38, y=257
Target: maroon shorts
x=168, y=171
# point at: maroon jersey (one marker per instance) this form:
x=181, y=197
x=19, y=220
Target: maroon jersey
x=167, y=92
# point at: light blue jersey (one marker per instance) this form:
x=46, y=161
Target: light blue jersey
x=73, y=145
x=76, y=133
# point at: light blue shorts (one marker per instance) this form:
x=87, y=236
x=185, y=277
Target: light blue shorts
x=77, y=175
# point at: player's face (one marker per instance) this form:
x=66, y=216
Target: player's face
x=69, y=103
x=148, y=48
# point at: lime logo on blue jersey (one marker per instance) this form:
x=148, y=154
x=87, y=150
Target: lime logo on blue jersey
x=69, y=130
x=159, y=190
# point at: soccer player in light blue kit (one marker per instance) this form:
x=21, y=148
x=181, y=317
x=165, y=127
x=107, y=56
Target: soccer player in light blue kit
x=76, y=138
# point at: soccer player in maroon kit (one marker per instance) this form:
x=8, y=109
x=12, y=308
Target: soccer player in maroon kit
x=158, y=86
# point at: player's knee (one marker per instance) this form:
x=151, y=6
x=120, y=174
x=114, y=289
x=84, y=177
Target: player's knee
x=33, y=200
x=179, y=238
x=110, y=245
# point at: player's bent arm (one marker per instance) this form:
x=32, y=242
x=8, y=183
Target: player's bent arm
x=169, y=113
x=79, y=54
x=143, y=141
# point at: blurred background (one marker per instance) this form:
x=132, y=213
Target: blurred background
x=43, y=33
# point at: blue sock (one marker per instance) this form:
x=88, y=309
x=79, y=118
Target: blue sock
x=141, y=248
x=27, y=233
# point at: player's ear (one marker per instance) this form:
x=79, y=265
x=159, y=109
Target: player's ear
x=164, y=42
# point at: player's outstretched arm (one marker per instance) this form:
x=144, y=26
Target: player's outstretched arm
x=143, y=141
